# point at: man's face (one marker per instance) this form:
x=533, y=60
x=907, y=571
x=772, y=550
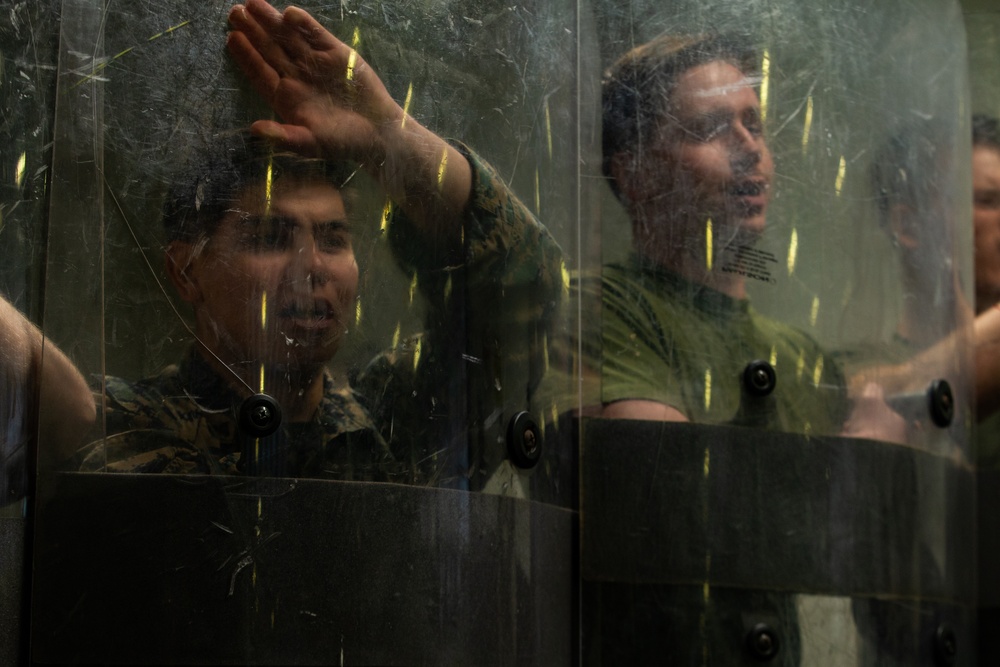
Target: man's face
x=709, y=158
x=986, y=223
x=276, y=282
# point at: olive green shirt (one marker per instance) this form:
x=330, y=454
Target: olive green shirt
x=668, y=340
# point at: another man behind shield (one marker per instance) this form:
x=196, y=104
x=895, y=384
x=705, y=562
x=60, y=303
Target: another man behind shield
x=686, y=154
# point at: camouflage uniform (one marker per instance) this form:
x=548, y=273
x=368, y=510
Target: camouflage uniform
x=416, y=414
x=183, y=420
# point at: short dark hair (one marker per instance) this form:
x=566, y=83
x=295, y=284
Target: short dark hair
x=637, y=88
x=905, y=169
x=215, y=177
x=985, y=131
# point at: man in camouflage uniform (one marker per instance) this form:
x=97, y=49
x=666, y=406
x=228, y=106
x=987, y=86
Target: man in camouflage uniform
x=259, y=243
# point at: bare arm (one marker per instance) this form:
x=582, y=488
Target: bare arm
x=332, y=104
x=51, y=386
x=987, y=361
x=937, y=360
x=643, y=410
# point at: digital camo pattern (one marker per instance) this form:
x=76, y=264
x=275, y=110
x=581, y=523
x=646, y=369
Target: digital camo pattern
x=183, y=421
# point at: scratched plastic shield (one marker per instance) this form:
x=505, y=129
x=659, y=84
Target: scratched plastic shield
x=342, y=561
x=811, y=321
x=521, y=530
x=983, y=30
x=28, y=58
x=863, y=260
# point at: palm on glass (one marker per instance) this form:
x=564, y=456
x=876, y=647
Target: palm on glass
x=331, y=103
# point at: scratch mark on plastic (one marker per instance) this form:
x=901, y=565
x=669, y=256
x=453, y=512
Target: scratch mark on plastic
x=841, y=173
x=352, y=59
x=101, y=66
x=406, y=105
x=765, y=80
x=793, y=250
x=807, y=124
x=708, y=244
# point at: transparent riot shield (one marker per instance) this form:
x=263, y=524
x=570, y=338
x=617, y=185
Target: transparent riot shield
x=315, y=438
x=664, y=353
x=983, y=27
x=781, y=469
x=28, y=56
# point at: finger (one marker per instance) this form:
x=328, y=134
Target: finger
x=264, y=29
x=316, y=36
x=262, y=76
x=289, y=137
x=288, y=35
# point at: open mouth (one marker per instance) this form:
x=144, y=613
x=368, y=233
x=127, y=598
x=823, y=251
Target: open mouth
x=748, y=188
x=310, y=315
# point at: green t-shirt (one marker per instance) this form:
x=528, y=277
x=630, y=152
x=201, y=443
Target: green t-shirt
x=671, y=341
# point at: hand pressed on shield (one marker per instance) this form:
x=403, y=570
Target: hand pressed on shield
x=332, y=104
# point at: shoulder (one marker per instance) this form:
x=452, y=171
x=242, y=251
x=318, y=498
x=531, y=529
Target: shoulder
x=777, y=330
x=342, y=410
x=140, y=395
x=639, y=302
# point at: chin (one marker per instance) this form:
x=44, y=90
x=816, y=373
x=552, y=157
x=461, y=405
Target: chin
x=751, y=226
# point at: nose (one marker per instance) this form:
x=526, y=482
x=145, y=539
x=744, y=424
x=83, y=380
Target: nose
x=310, y=265
x=747, y=148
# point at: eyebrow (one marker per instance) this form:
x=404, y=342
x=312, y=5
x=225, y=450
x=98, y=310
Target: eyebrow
x=253, y=219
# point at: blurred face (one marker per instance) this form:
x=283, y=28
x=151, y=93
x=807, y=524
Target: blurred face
x=709, y=158
x=986, y=223
x=276, y=284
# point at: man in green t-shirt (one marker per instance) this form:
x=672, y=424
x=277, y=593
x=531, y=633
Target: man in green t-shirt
x=685, y=152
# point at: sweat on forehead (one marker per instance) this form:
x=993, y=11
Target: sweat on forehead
x=214, y=180
x=637, y=89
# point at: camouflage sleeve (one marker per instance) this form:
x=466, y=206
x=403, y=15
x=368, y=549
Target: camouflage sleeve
x=137, y=433
x=504, y=245
x=484, y=347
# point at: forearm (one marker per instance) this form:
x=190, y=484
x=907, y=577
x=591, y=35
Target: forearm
x=51, y=390
x=987, y=361
x=499, y=243
x=425, y=177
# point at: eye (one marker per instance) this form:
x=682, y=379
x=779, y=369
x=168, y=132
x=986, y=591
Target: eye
x=989, y=199
x=332, y=237
x=708, y=129
x=265, y=234
x=753, y=123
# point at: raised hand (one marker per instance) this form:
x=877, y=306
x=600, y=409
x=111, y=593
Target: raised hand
x=330, y=101
x=331, y=104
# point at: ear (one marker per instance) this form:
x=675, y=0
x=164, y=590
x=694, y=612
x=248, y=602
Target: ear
x=901, y=218
x=179, y=265
x=623, y=171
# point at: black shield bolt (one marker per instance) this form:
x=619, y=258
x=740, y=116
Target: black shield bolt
x=524, y=440
x=763, y=642
x=942, y=403
x=759, y=378
x=259, y=416
x=945, y=645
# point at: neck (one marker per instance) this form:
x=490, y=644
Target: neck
x=297, y=389
x=986, y=299
x=689, y=258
